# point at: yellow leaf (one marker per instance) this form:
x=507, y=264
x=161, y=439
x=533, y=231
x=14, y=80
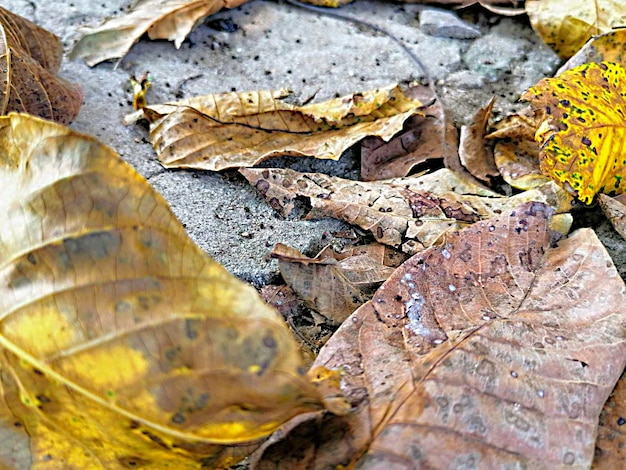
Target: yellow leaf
x=161, y=19
x=234, y=130
x=566, y=25
x=582, y=136
x=607, y=47
x=121, y=342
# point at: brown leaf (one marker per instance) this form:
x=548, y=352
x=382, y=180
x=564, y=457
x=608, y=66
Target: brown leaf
x=30, y=58
x=120, y=340
x=516, y=153
x=336, y=284
x=615, y=210
x=493, y=350
x=411, y=213
x=233, y=130
x=610, y=450
x=475, y=157
x=172, y=20
x=421, y=140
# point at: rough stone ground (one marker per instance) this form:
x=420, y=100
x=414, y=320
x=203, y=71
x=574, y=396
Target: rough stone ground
x=277, y=45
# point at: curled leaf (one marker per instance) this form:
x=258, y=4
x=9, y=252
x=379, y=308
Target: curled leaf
x=584, y=127
x=411, y=213
x=233, y=130
x=495, y=349
x=474, y=155
x=172, y=20
x=121, y=340
x=30, y=58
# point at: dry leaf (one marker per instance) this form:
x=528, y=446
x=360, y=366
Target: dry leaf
x=566, y=25
x=474, y=155
x=610, y=450
x=516, y=154
x=172, y=20
x=411, y=213
x=233, y=130
x=336, y=284
x=422, y=139
x=607, y=47
x=615, y=210
x=494, y=350
x=584, y=128
x=124, y=344
x=30, y=58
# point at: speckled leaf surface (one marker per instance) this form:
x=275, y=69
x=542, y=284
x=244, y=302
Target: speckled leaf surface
x=411, y=213
x=233, y=130
x=607, y=47
x=584, y=128
x=172, y=20
x=30, y=58
x=122, y=344
x=566, y=25
x=611, y=441
x=495, y=349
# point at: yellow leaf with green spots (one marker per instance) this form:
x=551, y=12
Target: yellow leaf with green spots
x=584, y=128
x=122, y=344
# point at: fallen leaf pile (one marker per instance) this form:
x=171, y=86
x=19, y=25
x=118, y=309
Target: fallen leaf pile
x=456, y=325
x=30, y=58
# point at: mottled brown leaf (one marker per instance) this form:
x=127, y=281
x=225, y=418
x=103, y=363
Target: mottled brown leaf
x=120, y=340
x=474, y=155
x=30, y=58
x=336, y=284
x=494, y=350
x=611, y=441
x=172, y=20
x=411, y=213
x=233, y=130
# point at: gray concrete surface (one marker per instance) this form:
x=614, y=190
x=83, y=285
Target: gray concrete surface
x=277, y=45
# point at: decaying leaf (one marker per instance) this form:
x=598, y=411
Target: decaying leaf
x=408, y=213
x=122, y=343
x=474, y=155
x=422, y=138
x=30, y=58
x=336, y=284
x=172, y=20
x=233, y=130
x=516, y=153
x=566, y=25
x=610, y=450
x=493, y=350
x=615, y=210
x=607, y=47
x=584, y=128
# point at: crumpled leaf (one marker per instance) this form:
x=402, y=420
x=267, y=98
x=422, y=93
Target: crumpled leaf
x=607, y=47
x=336, y=284
x=516, y=153
x=233, y=130
x=30, y=58
x=584, y=127
x=566, y=25
x=122, y=343
x=408, y=213
x=610, y=450
x=475, y=157
x=423, y=138
x=494, y=350
x=172, y=20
